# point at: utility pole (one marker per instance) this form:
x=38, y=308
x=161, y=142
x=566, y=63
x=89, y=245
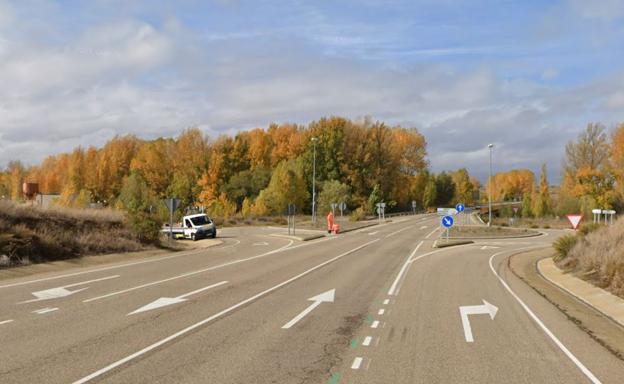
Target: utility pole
x=491, y=147
x=314, y=140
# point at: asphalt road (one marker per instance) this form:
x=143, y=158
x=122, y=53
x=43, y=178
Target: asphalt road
x=239, y=313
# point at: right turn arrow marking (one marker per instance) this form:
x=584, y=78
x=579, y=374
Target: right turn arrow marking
x=486, y=308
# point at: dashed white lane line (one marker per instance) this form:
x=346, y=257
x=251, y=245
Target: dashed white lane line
x=367, y=341
x=207, y=320
x=6, y=321
x=381, y=311
x=386, y=302
x=373, y=233
x=375, y=324
x=43, y=311
x=357, y=362
x=423, y=227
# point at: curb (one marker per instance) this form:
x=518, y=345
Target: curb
x=451, y=243
x=299, y=238
x=616, y=301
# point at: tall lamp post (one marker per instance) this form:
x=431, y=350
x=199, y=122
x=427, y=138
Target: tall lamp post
x=491, y=147
x=314, y=140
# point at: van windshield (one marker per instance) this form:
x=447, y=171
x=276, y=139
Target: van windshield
x=200, y=220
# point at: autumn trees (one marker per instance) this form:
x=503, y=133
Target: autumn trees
x=255, y=172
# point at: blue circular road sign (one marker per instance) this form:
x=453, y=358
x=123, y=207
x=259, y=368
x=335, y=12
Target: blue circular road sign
x=460, y=207
x=447, y=221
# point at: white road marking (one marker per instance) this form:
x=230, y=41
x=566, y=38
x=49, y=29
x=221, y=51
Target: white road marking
x=261, y=243
x=539, y=322
x=190, y=273
x=465, y=311
x=381, y=311
x=215, y=316
x=488, y=247
x=59, y=292
x=357, y=362
x=431, y=233
x=232, y=245
x=166, y=301
x=375, y=324
x=325, y=297
x=373, y=233
x=399, y=231
x=386, y=302
x=44, y=310
x=394, y=287
x=367, y=341
x=423, y=227
x=6, y=321
x=126, y=265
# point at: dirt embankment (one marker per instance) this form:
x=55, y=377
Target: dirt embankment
x=31, y=235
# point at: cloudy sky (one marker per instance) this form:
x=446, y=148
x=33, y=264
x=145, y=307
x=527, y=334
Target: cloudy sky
x=527, y=75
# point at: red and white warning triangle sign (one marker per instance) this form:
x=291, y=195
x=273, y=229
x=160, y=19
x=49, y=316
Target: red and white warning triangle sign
x=575, y=220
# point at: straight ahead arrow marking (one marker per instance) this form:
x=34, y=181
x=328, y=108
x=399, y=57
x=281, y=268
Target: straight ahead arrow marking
x=166, y=301
x=325, y=297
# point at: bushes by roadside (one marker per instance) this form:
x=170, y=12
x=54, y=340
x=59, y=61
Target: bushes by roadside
x=596, y=254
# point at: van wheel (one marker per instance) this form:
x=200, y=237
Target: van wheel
x=214, y=234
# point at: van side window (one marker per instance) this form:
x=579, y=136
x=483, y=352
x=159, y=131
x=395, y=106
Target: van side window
x=188, y=223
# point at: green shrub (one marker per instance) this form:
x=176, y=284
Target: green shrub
x=358, y=214
x=546, y=226
x=564, y=245
x=588, y=228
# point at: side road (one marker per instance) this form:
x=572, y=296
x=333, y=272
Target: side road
x=567, y=295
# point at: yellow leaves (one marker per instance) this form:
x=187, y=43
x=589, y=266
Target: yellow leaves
x=511, y=185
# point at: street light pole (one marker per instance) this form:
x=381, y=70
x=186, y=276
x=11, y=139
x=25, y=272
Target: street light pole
x=491, y=147
x=314, y=140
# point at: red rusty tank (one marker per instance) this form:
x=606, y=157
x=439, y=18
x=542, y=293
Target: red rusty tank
x=30, y=190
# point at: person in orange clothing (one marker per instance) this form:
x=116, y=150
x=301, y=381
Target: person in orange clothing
x=330, y=221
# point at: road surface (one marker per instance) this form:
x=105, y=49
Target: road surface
x=377, y=305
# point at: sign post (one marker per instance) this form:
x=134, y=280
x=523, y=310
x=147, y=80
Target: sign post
x=447, y=222
x=292, y=211
x=172, y=204
x=461, y=208
x=343, y=207
x=333, y=207
x=414, y=207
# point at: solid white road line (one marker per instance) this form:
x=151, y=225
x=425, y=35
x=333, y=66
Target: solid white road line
x=423, y=227
x=431, y=233
x=44, y=310
x=367, y=341
x=381, y=311
x=189, y=274
x=6, y=321
x=395, y=284
x=357, y=362
x=539, y=322
x=399, y=231
x=115, y=267
x=215, y=316
x=375, y=324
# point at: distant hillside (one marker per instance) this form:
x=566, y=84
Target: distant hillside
x=31, y=234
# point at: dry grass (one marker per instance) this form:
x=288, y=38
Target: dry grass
x=31, y=234
x=599, y=258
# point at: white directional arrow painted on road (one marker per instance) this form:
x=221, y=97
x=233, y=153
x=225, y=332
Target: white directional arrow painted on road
x=489, y=247
x=486, y=308
x=166, y=301
x=59, y=292
x=325, y=297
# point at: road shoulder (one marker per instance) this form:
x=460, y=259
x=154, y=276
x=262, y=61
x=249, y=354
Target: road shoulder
x=602, y=329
